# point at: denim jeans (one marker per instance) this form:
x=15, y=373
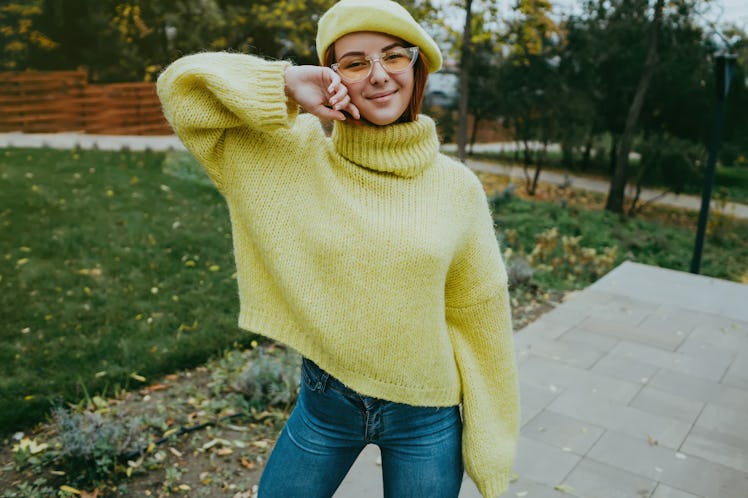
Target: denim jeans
x=331, y=424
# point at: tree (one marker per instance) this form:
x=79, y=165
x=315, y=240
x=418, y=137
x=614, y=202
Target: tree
x=462, y=107
x=615, y=198
x=531, y=77
x=20, y=38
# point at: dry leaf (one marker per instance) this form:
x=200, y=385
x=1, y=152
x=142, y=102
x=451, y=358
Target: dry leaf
x=224, y=451
x=564, y=488
x=652, y=441
x=247, y=464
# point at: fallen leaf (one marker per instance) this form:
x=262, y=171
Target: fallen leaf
x=652, y=441
x=158, y=387
x=69, y=489
x=564, y=488
x=30, y=445
x=224, y=451
x=176, y=452
x=247, y=464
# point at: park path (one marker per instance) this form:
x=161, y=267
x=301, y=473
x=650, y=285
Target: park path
x=516, y=173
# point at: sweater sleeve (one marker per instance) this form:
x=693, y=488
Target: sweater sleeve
x=204, y=96
x=479, y=318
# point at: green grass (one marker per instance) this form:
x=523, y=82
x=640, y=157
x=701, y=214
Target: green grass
x=113, y=265
x=648, y=241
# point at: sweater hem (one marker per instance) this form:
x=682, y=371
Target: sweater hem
x=289, y=335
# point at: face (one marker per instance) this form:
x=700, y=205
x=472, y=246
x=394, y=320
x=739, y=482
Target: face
x=381, y=98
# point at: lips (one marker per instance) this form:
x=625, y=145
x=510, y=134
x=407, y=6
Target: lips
x=381, y=96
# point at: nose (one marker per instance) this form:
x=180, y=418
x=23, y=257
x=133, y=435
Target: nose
x=378, y=72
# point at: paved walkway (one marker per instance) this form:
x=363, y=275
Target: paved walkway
x=636, y=387
x=117, y=142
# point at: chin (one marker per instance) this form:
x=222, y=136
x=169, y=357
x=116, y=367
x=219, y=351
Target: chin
x=381, y=118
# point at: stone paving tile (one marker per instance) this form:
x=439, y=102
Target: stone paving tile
x=615, y=416
x=565, y=315
x=577, y=336
x=525, y=488
x=665, y=491
x=720, y=435
x=717, y=331
x=574, y=355
x=629, y=369
x=737, y=374
x=699, y=476
x=666, y=404
x=556, y=375
x=534, y=399
x=710, y=365
x=699, y=389
x=716, y=446
x=591, y=479
x=543, y=463
x=688, y=291
x=563, y=432
x=600, y=324
x=548, y=328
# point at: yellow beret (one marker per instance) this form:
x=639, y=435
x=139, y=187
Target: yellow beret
x=382, y=16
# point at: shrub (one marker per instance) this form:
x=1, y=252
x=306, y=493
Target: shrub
x=92, y=442
x=271, y=378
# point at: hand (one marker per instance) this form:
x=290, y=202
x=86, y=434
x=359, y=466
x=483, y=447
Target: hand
x=320, y=91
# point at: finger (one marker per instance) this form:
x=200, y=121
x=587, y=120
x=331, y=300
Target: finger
x=334, y=80
x=327, y=113
x=353, y=111
x=340, y=96
x=342, y=102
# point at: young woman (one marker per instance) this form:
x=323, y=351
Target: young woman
x=367, y=251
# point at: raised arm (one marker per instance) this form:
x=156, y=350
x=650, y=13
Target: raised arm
x=206, y=95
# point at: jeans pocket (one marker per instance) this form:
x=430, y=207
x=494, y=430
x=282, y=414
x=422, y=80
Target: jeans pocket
x=313, y=377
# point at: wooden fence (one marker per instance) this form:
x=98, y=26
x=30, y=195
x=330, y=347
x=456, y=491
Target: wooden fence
x=57, y=101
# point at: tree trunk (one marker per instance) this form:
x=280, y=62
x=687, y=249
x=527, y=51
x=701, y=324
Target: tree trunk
x=617, y=190
x=464, y=75
x=474, y=131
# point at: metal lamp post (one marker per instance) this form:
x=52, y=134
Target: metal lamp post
x=724, y=66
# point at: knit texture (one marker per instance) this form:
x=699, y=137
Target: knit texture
x=368, y=251
x=382, y=16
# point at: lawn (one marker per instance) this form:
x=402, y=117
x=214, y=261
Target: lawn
x=116, y=268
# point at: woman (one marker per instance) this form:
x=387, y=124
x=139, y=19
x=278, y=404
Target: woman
x=367, y=251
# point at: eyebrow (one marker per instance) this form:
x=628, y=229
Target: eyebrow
x=359, y=52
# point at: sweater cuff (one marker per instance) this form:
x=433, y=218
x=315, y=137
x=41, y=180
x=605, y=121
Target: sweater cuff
x=493, y=487
x=275, y=108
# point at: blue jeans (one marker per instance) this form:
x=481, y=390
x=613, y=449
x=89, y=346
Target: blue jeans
x=331, y=424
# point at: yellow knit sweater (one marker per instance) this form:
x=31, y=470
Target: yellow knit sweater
x=368, y=251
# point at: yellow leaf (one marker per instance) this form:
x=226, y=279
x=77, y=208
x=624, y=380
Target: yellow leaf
x=564, y=488
x=214, y=268
x=22, y=261
x=69, y=489
x=137, y=377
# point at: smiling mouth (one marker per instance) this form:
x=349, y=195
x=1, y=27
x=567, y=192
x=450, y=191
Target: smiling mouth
x=378, y=97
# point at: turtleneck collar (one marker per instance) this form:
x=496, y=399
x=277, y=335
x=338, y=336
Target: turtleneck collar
x=403, y=149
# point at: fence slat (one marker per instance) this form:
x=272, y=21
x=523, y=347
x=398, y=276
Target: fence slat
x=56, y=101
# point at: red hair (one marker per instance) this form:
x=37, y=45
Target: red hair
x=420, y=75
